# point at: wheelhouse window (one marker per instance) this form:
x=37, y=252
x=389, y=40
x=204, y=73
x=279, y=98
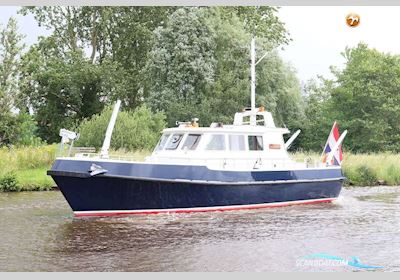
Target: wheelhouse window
x=216, y=142
x=174, y=141
x=191, y=142
x=162, y=142
x=236, y=143
x=255, y=143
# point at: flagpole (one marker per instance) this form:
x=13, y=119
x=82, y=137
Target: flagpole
x=338, y=143
x=327, y=140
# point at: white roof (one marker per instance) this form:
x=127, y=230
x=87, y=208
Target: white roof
x=245, y=129
x=240, y=125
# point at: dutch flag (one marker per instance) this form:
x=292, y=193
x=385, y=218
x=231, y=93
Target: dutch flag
x=330, y=144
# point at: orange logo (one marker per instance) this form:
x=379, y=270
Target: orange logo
x=352, y=20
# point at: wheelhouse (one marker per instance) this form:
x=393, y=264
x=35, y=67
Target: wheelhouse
x=240, y=145
x=211, y=141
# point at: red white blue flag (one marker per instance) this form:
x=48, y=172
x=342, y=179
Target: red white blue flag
x=330, y=144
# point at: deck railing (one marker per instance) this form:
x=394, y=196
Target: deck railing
x=220, y=163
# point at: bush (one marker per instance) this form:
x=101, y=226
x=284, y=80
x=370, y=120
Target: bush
x=368, y=175
x=19, y=129
x=392, y=173
x=363, y=175
x=134, y=130
x=8, y=183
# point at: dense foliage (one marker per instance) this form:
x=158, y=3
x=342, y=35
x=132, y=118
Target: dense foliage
x=14, y=128
x=181, y=63
x=185, y=62
x=96, y=55
x=363, y=98
x=201, y=69
x=134, y=130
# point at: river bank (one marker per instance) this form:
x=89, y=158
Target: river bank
x=24, y=168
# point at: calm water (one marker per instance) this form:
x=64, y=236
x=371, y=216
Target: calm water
x=38, y=233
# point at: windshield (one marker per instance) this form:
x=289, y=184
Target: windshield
x=191, y=142
x=174, y=141
x=162, y=142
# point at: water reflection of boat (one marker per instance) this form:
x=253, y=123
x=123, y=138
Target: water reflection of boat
x=194, y=169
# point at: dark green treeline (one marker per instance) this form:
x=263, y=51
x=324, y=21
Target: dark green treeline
x=180, y=63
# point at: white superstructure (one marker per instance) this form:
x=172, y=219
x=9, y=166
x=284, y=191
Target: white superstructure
x=240, y=146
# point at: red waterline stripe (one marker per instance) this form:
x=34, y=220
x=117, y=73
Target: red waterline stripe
x=108, y=213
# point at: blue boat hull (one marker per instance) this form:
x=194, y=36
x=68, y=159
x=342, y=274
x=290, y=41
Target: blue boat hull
x=169, y=188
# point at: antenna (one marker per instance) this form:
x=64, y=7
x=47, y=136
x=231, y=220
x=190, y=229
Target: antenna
x=253, y=118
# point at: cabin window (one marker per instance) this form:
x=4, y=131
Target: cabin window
x=216, y=142
x=162, y=142
x=191, y=142
x=255, y=143
x=260, y=120
x=236, y=143
x=174, y=141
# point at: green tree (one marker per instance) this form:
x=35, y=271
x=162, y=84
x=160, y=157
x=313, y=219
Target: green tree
x=278, y=89
x=261, y=22
x=187, y=62
x=130, y=37
x=63, y=91
x=118, y=36
x=363, y=98
x=64, y=83
x=319, y=115
x=227, y=94
x=11, y=47
x=16, y=127
x=366, y=99
x=181, y=64
x=198, y=67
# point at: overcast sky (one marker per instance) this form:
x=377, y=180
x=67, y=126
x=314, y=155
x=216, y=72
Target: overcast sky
x=27, y=24
x=319, y=34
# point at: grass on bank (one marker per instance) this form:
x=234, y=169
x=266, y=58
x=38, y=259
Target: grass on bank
x=24, y=168
x=34, y=179
x=366, y=169
x=372, y=169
